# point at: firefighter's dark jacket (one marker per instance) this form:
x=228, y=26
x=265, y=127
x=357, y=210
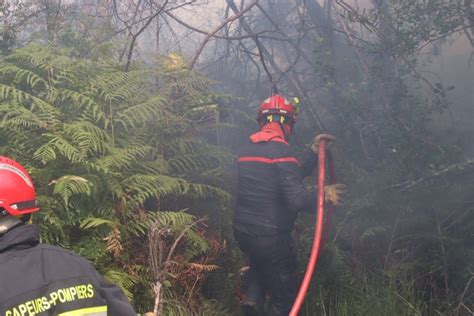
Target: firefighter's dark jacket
x=39, y=279
x=270, y=189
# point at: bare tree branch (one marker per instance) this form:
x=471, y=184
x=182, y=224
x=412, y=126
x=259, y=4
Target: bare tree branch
x=135, y=36
x=274, y=65
x=411, y=183
x=217, y=29
x=209, y=33
x=351, y=42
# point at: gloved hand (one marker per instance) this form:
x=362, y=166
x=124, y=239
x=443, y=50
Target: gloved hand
x=333, y=193
x=329, y=140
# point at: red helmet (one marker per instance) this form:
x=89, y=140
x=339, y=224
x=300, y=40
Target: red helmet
x=17, y=192
x=277, y=104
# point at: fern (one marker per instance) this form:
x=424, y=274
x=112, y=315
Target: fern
x=104, y=145
x=138, y=114
x=122, y=279
x=69, y=185
x=59, y=145
x=92, y=222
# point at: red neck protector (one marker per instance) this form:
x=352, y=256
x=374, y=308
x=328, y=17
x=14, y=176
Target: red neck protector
x=270, y=132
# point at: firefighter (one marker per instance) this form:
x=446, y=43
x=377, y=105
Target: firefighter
x=40, y=279
x=270, y=194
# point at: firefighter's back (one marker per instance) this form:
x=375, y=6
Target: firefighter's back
x=40, y=279
x=260, y=207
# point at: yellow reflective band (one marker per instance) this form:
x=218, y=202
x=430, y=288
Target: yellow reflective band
x=91, y=311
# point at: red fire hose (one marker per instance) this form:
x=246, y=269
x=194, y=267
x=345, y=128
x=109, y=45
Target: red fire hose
x=318, y=242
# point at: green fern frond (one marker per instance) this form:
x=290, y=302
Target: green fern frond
x=122, y=279
x=180, y=146
x=198, y=245
x=20, y=75
x=116, y=85
x=59, y=145
x=203, y=191
x=93, y=222
x=175, y=220
x=70, y=185
x=193, y=163
x=34, y=56
x=88, y=138
x=139, y=188
x=121, y=158
x=15, y=116
x=139, y=114
x=76, y=101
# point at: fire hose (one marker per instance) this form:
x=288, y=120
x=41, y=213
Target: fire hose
x=318, y=240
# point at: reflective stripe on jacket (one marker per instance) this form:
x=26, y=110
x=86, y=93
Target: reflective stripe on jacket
x=38, y=279
x=270, y=189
